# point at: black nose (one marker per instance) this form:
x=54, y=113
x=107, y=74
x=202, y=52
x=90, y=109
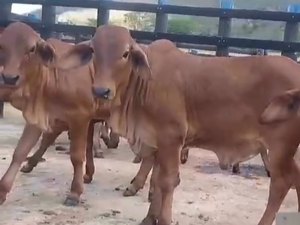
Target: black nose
x=10, y=79
x=101, y=92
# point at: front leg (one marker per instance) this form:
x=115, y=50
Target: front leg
x=168, y=158
x=47, y=140
x=78, y=137
x=29, y=138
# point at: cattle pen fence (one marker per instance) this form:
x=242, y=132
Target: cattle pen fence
x=222, y=44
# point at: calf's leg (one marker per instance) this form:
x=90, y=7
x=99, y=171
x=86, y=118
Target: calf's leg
x=160, y=210
x=112, y=139
x=236, y=168
x=139, y=180
x=153, y=179
x=184, y=155
x=265, y=159
x=282, y=175
x=98, y=152
x=47, y=140
x=89, y=166
x=78, y=137
x=27, y=141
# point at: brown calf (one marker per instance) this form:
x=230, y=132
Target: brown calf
x=163, y=99
x=47, y=97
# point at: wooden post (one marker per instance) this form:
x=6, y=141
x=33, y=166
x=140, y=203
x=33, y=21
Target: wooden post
x=224, y=27
x=48, y=18
x=102, y=16
x=291, y=31
x=161, y=22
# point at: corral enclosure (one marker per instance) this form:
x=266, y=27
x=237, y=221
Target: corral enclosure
x=206, y=195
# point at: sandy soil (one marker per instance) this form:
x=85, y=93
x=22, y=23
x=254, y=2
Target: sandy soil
x=206, y=195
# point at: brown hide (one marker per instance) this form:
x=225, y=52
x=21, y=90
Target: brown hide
x=48, y=97
x=164, y=99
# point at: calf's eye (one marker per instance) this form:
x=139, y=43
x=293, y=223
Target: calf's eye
x=125, y=55
x=32, y=49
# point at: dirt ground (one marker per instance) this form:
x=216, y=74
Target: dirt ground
x=206, y=194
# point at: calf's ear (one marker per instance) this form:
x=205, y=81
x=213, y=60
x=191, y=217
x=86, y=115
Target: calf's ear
x=282, y=107
x=140, y=59
x=45, y=52
x=77, y=56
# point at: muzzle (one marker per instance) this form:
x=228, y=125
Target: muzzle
x=101, y=92
x=10, y=79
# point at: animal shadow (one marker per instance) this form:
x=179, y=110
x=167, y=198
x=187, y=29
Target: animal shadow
x=248, y=171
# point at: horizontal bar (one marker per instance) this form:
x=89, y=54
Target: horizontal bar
x=178, y=38
x=220, y=41
x=168, y=9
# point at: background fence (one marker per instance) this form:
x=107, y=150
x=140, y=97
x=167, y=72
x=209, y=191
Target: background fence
x=222, y=43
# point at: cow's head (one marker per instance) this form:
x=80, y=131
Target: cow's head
x=116, y=56
x=282, y=108
x=19, y=43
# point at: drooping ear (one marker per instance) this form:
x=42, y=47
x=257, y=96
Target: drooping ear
x=79, y=55
x=45, y=52
x=282, y=107
x=140, y=59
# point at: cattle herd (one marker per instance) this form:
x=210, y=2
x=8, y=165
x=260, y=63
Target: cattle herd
x=162, y=100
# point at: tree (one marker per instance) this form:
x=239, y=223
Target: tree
x=139, y=21
x=183, y=26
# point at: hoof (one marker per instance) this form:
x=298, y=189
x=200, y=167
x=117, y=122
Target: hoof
x=3, y=194
x=42, y=160
x=27, y=168
x=137, y=160
x=149, y=221
x=130, y=191
x=2, y=197
x=87, y=179
x=99, y=155
x=60, y=148
x=184, y=158
x=236, y=169
x=71, y=201
x=112, y=145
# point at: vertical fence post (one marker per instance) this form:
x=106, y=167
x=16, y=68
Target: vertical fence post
x=224, y=29
x=291, y=31
x=102, y=16
x=5, y=11
x=48, y=18
x=161, y=22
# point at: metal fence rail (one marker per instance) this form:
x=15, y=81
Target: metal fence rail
x=222, y=41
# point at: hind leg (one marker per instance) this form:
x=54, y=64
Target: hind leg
x=236, y=168
x=282, y=176
x=297, y=182
x=184, y=155
x=265, y=159
x=139, y=180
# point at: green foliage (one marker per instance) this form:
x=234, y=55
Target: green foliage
x=183, y=26
x=92, y=22
x=140, y=21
